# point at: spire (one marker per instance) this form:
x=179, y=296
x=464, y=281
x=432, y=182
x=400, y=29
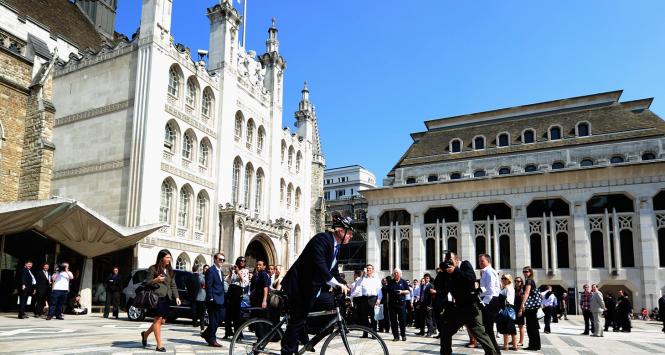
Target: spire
x=272, y=44
x=305, y=95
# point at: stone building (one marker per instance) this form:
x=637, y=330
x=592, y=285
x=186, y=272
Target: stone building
x=574, y=187
x=148, y=133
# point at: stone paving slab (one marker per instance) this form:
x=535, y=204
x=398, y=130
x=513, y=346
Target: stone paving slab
x=96, y=335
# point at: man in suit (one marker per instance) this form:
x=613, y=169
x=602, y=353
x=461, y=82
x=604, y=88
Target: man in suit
x=215, y=300
x=113, y=292
x=315, y=268
x=26, y=288
x=43, y=291
x=597, y=308
x=426, y=297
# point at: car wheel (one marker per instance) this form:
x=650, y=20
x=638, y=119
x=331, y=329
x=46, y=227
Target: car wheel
x=135, y=313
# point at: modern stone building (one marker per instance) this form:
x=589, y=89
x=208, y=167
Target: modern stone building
x=346, y=181
x=149, y=133
x=573, y=187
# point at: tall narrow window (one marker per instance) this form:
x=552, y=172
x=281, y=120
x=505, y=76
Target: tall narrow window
x=174, y=82
x=404, y=254
x=283, y=151
x=204, y=154
x=249, y=178
x=235, y=181
x=298, y=196
x=282, y=188
x=250, y=134
x=385, y=255
x=259, y=190
x=169, y=137
x=529, y=136
x=183, y=212
x=298, y=161
x=201, y=208
x=504, y=252
x=536, y=246
x=206, y=103
x=289, y=196
x=187, y=145
x=456, y=146
x=563, y=258
x=261, y=136
x=238, y=128
x=480, y=248
x=190, y=94
x=597, y=250
x=290, y=162
x=166, y=199
x=430, y=250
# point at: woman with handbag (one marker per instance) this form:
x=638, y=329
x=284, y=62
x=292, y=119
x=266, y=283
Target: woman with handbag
x=506, y=320
x=519, y=320
x=530, y=306
x=161, y=279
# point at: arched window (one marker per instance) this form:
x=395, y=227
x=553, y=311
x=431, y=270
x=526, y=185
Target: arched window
x=530, y=168
x=504, y=252
x=238, y=127
x=235, y=180
x=190, y=93
x=169, y=137
x=597, y=250
x=455, y=146
x=289, y=195
x=430, y=250
x=298, y=161
x=250, y=133
x=586, y=162
x=529, y=136
x=648, y=156
x=479, y=143
x=207, y=102
x=504, y=171
x=455, y=176
x=385, y=255
x=503, y=140
x=259, y=190
x=298, y=196
x=249, y=179
x=283, y=151
x=410, y=180
x=404, y=254
x=183, y=210
x=452, y=244
x=627, y=253
x=583, y=129
x=261, y=136
x=558, y=165
x=204, y=153
x=563, y=257
x=187, y=146
x=282, y=188
x=290, y=161
x=432, y=178
x=555, y=133
x=166, y=202
x=201, y=212
x=479, y=173
x=480, y=248
x=536, y=247
x=616, y=159
x=182, y=262
x=174, y=82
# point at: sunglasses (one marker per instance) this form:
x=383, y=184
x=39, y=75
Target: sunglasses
x=503, y=278
x=242, y=261
x=221, y=259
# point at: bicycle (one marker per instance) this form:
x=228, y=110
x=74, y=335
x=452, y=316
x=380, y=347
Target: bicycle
x=340, y=338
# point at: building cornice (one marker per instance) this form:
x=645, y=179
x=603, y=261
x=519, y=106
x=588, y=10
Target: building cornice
x=187, y=175
x=95, y=112
x=90, y=169
x=189, y=119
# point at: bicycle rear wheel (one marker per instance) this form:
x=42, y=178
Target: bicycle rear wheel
x=245, y=340
x=359, y=344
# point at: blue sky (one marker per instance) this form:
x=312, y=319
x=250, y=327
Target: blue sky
x=378, y=69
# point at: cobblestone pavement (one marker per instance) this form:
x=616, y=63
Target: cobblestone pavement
x=96, y=335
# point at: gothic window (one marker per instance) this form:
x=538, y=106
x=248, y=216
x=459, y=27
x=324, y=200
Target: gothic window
x=282, y=188
x=648, y=156
x=283, y=151
x=261, y=136
x=536, y=247
x=250, y=133
x=616, y=159
x=432, y=178
x=259, y=190
x=529, y=136
x=504, y=171
x=235, y=181
x=385, y=255
x=201, y=211
x=455, y=146
x=404, y=254
x=204, y=153
x=183, y=210
x=169, y=137
x=555, y=133
x=298, y=196
x=479, y=173
x=187, y=146
x=430, y=250
x=597, y=250
x=181, y=262
x=627, y=253
x=503, y=140
x=249, y=178
x=207, y=103
x=290, y=161
x=289, y=196
x=504, y=252
x=480, y=248
x=455, y=176
x=586, y=162
x=558, y=165
x=479, y=143
x=563, y=258
x=298, y=161
x=661, y=247
x=174, y=81
x=452, y=244
x=238, y=128
x=166, y=202
x=190, y=93
x=583, y=129
x=530, y=168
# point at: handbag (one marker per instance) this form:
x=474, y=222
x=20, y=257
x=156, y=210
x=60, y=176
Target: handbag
x=533, y=301
x=540, y=314
x=145, y=298
x=507, y=312
x=378, y=312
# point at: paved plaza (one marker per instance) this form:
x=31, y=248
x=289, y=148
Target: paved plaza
x=96, y=335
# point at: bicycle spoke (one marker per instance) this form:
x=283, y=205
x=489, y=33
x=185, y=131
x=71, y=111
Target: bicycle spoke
x=246, y=342
x=358, y=343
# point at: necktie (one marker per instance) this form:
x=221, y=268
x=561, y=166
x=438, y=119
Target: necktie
x=336, y=251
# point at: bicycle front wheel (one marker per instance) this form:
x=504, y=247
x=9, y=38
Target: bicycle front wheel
x=361, y=341
x=253, y=338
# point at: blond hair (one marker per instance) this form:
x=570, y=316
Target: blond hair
x=508, y=277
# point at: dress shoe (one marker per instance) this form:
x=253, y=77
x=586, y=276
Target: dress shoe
x=395, y=339
x=215, y=345
x=421, y=333
x=204, y=335
x=161, y=350
x=585, y=333
x=144, y=341
x=49, y=318
x=60, y=318
x=403, y=338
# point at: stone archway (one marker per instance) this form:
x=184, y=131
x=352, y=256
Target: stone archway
x=260, y=248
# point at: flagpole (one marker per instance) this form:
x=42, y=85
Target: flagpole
x=244, y=22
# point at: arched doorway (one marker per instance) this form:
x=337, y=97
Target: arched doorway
x=260, y=249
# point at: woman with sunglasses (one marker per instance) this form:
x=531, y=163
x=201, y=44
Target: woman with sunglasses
x=506, y=325
x=519, y=320
x=530, y=315
x=239, y=282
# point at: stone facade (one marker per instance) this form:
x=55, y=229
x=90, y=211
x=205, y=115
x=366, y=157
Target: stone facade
x=581, y=202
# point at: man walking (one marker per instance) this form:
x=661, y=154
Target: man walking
x=215, y=298
x=113, y=292
x=624, y=310
x=398, y=289
x=258, y=295
x=549, y=308
x=43, y=278
x=26, y=288
x=370, y=296
x=585, y=305
x=489, y=283
x=426, y=297
x=611, y=310
x=597, y=307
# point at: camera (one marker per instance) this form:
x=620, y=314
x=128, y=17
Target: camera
x=447, y=261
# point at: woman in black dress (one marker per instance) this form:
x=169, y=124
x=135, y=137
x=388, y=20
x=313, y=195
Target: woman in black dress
x=162, y=279
x=519, y=291
x=530, y=315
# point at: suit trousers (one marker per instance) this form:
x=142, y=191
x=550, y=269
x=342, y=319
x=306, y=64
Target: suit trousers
x=471, y=317
x=588, y=321
x=216, y=313
x=597, y=325
x=550, y=313
x=23, y=300
x=427, y=319
x=398, y=319
x=232, y=301
x=112, y=299
x=489, y=314
x=366, y=314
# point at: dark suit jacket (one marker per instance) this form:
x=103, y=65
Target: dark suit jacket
x=43, y=282
x=460, y=284
x=214, y=286
x=26, y=280
x=310, y=272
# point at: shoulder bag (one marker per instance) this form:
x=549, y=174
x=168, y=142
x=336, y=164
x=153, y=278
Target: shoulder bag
x=145, y=297
x=533, y=301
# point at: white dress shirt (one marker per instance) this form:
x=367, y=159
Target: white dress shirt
x=509, y=292
x=371, y=286
x=356, y=290
x=490, y=281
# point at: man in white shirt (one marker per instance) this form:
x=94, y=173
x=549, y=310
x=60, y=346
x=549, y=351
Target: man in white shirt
x=490, y=286
x=355, y=294
x=370, y=289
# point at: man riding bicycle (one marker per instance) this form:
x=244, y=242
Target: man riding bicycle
x=315, y=268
